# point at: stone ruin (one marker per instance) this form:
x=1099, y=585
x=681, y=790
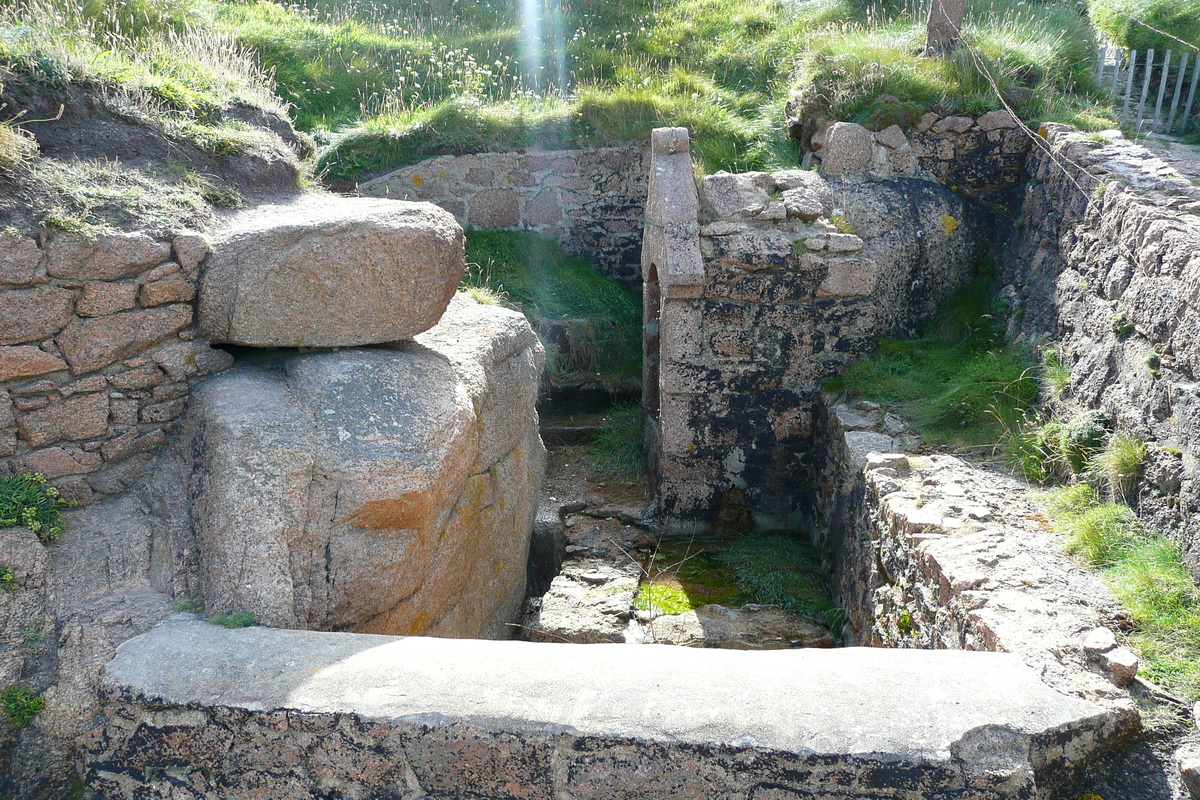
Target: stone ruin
x=364, y=468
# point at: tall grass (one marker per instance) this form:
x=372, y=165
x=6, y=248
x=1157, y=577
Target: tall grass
x=958, y=383
x=1147, y=575
x=1135, y=23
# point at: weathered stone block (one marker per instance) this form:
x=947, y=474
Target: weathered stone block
x=105, y=257
x=169, y=291
x=91, y=344
x=57, y=462
x=327, y=271
x=494, y=208
x=849, y=277
x=27, y=362
x=20, y=261
x=99, y=299
x=190, y=249
x=30, y=315
x=849, y=150
x=75, y=419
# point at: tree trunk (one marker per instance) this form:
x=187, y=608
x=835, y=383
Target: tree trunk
x=944, y=27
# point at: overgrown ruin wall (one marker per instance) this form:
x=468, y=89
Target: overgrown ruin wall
x=757, y=290
x=591, y=201
x=98, y=353
x=1104, y=266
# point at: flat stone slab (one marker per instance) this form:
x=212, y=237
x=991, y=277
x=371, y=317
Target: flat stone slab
x=229, y=711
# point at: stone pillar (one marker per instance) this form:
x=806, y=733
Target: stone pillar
x=673, y=277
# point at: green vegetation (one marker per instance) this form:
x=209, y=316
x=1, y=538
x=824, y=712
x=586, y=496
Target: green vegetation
x=21, y=704
x=782, y=571
x=1132, y=23
x=1055, y=374
x=240, y=619
x=533, y=274
x=1038, y=56
x=663, y=599
x=8, y=579
x=1147, y=575
x=619, y=451
x=959, y=383
x=27, y=500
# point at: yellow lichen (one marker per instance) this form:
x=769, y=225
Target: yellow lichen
x=418, y=181
x=949, y=224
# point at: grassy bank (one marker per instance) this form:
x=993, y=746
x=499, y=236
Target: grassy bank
x=959, y=384
x=1145, y=572
x=533, y=274
x=1136, y=23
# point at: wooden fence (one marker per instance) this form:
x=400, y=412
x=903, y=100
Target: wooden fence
x=1155, y=91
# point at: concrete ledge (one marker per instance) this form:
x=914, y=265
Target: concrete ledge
x=303, y=714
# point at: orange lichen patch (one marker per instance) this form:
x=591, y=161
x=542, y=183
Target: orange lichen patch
x=419, y=624
x=407, y=511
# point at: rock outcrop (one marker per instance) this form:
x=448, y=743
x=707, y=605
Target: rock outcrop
x=389, y=490
x=328, y=271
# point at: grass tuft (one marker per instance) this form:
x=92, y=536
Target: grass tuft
x=21, y=704
x=619, y=451
x=240, y=619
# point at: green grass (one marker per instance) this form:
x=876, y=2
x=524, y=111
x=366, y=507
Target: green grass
x=240, y=619
x=1147, y=575
x=1039, y=56
x=21, y=704
x=663, y=599
x=533, y=273
x=619, y=451
x=781, y=571
x=26, y=500
x=958, y=384
x=1119, y=20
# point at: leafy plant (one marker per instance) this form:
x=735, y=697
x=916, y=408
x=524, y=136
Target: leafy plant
x=21, y=704
x=8, y=579
x=27, y=500
x=1121, y=324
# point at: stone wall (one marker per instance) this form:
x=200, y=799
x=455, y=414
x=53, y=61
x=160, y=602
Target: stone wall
x=188, y=714
x=757, y=290
x=591, y=201
x=984, y=158
x=934, y=552
x=98, y=352
x=1104, y=266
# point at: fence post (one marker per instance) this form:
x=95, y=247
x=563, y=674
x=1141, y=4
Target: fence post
x=1141, y=110
x=1116, y=74
x=1162, y=89
x=1129, y=84
x=1187, y=110
x=1178, y=88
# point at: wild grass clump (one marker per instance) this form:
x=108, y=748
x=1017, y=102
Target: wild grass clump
x=618, y=452
x=1122, y=21
x=781, y=571
x=534, y=274
x=958, y=383
x=240, y=619
x=1147, y=575
x=21, y=704
x=1039, y=58
x=18, y=148
x=26, y=500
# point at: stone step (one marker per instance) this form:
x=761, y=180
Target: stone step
x=572, y=429
x=304, y=714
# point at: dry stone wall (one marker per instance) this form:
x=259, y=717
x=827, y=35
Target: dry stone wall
x=983, y=157
x=757, y=290
x=98, y=352
x=1104, y=267
x=591, y=201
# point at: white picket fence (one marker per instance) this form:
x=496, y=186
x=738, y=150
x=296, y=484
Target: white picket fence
x=1151, y=88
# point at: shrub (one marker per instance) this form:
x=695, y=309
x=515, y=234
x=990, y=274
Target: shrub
x=1081, y=437
x=21, y=704
x=27, y=500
